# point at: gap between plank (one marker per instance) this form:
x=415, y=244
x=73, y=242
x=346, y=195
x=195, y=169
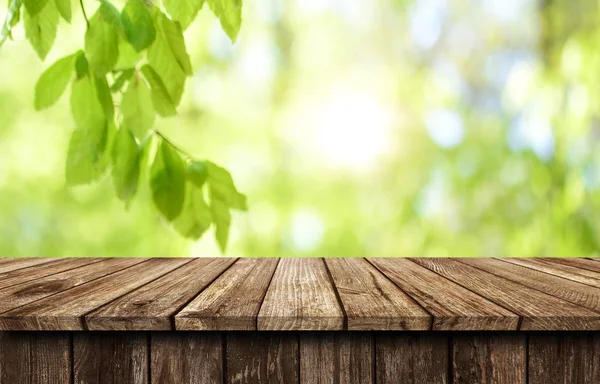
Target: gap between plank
x=87, y=282
x=337, y=297
x=181, y=307
x=529, y=287
x=262, y=300
x=128, y=292
x=520, y=318
x=432, y=318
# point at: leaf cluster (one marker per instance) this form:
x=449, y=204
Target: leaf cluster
x=134, y=58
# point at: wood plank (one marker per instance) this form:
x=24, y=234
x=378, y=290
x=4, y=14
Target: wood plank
x=561, y=357
x=110, y=357
x=28, y=292
x=35, y=358
x=538, y=310
x=19, y=276
x=567, y=290
x=489, y=358
x=371, y=301
x=412, y=358
x=265, y=357
x=186, y=357
x=452, y=306
x=336, y=357
x=64, y=310
x=232, y=301
x=152, y=306
x=12, y=264
x=576, y=273
x=300, y=297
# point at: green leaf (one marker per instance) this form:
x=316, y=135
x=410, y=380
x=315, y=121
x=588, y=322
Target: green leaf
x=222, y=219
x=125, y=164
x=84, y=158
x=167, y=181
x=104, y=96
x=184, y=11
x=168, y=55
x=12, y=18
x=196, y=217
x=197, y=173
x=160, y=96
x=40, y=29
x=128, y=56
x=120, y=81
x=64, y=8
x=34, y=7
x=81, y=65
x=110, y=15
x=222, y=187
x=87, y=110
x=101, y=44
x=136, y=107
x=53, y=82
x=138, y=24
x=229, y=13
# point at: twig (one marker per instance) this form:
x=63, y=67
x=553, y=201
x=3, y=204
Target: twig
x=178, y=149
x=87, y=21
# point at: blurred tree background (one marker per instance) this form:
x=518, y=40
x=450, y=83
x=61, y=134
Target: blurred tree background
x=355, y=127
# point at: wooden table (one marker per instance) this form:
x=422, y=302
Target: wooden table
x=299, y=320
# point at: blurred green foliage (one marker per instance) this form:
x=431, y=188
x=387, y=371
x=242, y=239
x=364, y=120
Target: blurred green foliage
x=356, y=128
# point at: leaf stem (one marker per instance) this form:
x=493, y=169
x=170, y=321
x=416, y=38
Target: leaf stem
x=87, y=21
x=178, y=149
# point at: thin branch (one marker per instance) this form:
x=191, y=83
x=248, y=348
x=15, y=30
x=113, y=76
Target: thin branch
x=87, y=21
x=178, y=149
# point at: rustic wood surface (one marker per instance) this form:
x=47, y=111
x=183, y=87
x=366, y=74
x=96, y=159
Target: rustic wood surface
x=223, y=294
x=301, y=296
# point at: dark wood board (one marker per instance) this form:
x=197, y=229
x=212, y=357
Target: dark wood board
x=186, y=357
x=412, y=357
x=261, y=357
x=336, y=357
x=32, y=273
x=35, y=358
x=485, y=357
x=110, y=357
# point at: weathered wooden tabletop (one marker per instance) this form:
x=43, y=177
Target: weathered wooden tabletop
x=299, y=294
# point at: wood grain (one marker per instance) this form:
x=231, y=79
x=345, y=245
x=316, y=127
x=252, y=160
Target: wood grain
x=539, y=311
x=64, y=310
x=186, y=357
x=371, y=301
x=568, y=290
x=489, y=358
x=452, y=306
x=412, y=358
x=110, y=357
x=19, y=276
x=152, y=306
x=559, y=357
x=35, y=358
x=336, y=357
x=300, y=297
x=265, y=357
x=7, y=265
x=28, y=292
x=232, y=301
x=582, y=273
